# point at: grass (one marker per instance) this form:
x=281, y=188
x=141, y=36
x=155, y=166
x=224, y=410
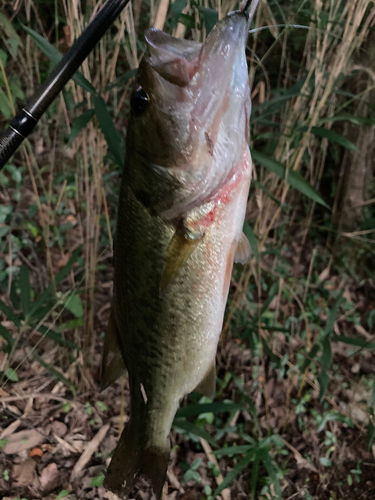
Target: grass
x=294, y=412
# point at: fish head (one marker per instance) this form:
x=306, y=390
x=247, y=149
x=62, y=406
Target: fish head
x=195, y=122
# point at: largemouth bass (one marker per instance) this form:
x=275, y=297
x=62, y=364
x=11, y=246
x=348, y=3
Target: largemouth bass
x=180, y=216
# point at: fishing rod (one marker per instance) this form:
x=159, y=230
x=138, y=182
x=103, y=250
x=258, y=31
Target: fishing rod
x=25, y=121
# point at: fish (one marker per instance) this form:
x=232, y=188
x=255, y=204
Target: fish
x=181, y=211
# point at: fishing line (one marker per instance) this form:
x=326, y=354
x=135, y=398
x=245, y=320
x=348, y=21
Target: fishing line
x=289, y=23
x=286, y=26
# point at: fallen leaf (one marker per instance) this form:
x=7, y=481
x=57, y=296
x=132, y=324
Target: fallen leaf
x=59, y=428
x=23, y=440
x=49, y=478
x=24, y=474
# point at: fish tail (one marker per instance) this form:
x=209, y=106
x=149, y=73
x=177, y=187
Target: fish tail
x=132, y=459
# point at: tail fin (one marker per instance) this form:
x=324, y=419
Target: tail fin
x=131, y=460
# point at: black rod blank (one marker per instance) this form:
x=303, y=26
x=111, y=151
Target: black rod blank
x=25, y=121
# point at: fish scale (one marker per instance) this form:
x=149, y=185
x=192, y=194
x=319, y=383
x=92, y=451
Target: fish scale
x=181, y=210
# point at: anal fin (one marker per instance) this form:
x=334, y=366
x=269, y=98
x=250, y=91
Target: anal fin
x=207, y=386
x=243, y=250
x=113, y=364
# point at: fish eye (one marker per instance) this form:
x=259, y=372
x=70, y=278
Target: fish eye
x=139, y=101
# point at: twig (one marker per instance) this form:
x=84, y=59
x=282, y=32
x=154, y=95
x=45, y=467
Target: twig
x=89, y=451
x=219, y=479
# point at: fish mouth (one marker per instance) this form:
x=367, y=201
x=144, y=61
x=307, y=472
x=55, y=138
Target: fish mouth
x=178, y=60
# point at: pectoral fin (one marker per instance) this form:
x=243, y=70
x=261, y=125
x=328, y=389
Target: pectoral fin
x=112, y=365
x=243, y=250
x=179, y=250
x=207, y=386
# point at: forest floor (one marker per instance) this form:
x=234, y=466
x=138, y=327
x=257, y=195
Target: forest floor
x=56, y=445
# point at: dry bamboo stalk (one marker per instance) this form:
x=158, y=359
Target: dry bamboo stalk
x=161, y=15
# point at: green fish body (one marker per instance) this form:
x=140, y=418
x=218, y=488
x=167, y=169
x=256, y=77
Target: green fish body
x=180, y=216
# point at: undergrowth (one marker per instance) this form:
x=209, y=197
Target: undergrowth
x=293, y=415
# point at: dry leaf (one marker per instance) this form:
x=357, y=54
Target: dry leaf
x=24, y=473
x=23, y=440
x=49, y=478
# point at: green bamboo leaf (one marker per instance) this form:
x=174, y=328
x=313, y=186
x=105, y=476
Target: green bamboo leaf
x=188, y=21
x=10, y=314
x=233, y=450
x=370, y=435
x=234, y=472
x=353, y=341
x=177, y=8
x=57, y=337
x=11, y=375
x=326, y=358
x=55, y=373
x=79, y=123
x=272, y=471
x=198, y=409
x=7, y=337
x=310, y=357
x=333, y=137
x=265, y=191
x=14, y=297
x=295, y=179
x=323, y=380
x=249, y=233
x=25, y=290
x=372, y=397
x=122, y=80
x=275, y=104
x=271, y=294
x=254, y=477
x=109, y=131
x=210, y=18
x=55, y=56
x=332, y=315
x=194, y=429
x=74, y=304
x=357, y=120
x=48, y=293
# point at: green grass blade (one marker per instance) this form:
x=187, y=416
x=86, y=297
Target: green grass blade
x=365, y=344
x=55, y=56
x=57, y=337
x=234, y=472
x=334, y=137
x=310, y=357
x=7, y=337
x=233, y=450
x=271, y=469
x=210, y=18
x=79, y=123
x=54, y=373
x=249, y=233
x=194, y=429
x=122, y=80
x=48, y=293
x=198, y=409
x=25, y=290
x=265, y=191
x=109, y=131
x=332, y=315
x=10, y=314
x=323, y=380
x=254, y=477
x=177, y=8
x=295, y=179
